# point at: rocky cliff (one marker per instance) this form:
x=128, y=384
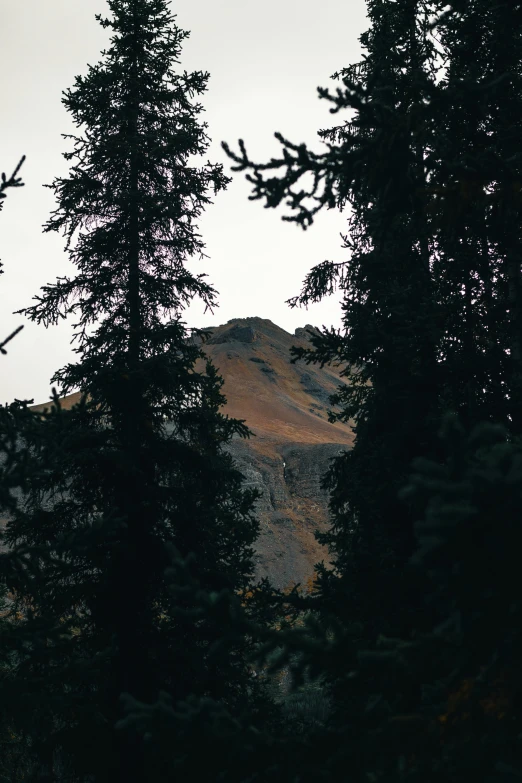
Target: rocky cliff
x=285, y=406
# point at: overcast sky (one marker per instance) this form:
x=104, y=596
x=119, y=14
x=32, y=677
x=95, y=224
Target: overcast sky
x=266, y=60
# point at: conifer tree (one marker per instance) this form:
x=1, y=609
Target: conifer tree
x=375, y=162
x=476, y=170
x=465, y=718
x=134, y=479
x=16, y=469
x=443, y=700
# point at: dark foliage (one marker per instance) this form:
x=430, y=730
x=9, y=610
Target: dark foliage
x=375, y=162
x=133, y=511
x=429, y=164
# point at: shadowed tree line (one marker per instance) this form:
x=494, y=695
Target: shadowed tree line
x=131, y=619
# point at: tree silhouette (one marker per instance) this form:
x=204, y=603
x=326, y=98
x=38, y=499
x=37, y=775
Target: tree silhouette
x=391, y=321
x=137, y=510
x=431, y=322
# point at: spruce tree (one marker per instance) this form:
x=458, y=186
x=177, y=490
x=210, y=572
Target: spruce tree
x=375, y=162
x=425, y=327
x=136, y=499
x=465, y=668
x=474, y=173
x=443, y=700
x=16, y=469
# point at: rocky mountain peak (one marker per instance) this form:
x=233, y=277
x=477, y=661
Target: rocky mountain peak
x=285, y=405
x=303, y=332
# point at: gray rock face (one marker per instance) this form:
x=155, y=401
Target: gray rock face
x=303, y=332
x=291, y=508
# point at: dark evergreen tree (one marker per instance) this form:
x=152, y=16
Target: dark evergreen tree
x=431, y=321
x=136, y=511
x=465, y=720
x=447, y=702
x=475, y=168
x=376, y=163
x=17, y=758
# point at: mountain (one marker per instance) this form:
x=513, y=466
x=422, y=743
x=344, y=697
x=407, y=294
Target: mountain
x=285, y=406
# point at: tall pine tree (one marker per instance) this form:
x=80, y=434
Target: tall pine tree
x=139, y=466
x=375, y=162
x=476, y=171
x=465, y=721
x=443, y=701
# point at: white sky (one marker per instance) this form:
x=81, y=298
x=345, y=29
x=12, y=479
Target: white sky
x=266, y=60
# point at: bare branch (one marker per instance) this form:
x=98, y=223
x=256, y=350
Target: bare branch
x=18, y=329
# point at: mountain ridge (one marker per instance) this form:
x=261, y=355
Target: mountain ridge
x=285, y=406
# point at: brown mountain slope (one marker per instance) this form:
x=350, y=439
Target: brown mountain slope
x=281, y=402
x=285, y=406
